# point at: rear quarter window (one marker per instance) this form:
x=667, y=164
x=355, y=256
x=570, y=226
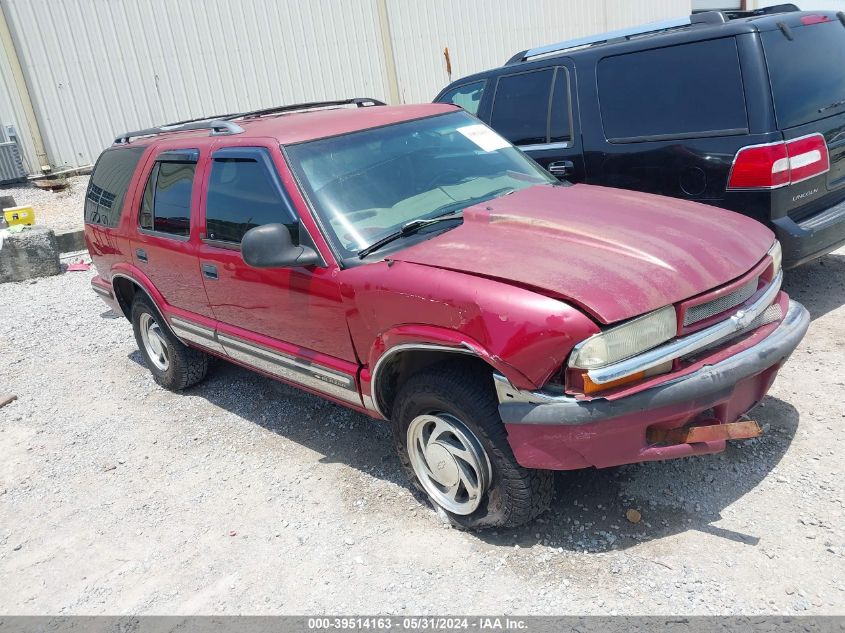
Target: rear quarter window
x=807, y=72
x=107, y=187
x=674, y=92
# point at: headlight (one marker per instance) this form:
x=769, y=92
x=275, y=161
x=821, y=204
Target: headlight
x=624, y=341
x=776, y=254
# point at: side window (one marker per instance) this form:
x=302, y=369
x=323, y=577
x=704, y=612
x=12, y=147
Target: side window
x=676, y=91
x=108, y=184
x=467, y=96
x=560, y=120
x=244, y=192
x=166, y=205
x=521, y=106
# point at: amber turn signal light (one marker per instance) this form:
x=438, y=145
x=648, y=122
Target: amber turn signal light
x=592, y=387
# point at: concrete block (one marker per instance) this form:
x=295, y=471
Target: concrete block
x=28, y=254
x=71, y=241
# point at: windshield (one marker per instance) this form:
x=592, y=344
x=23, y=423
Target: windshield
x=369, y=184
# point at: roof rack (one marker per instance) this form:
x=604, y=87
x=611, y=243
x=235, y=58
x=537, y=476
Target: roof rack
x=707, y=17
x=361, y=102
x=218, y=127
x=222, y=125
x=735, y=14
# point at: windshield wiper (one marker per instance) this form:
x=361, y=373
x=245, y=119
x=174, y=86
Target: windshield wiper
x=447, y=212
x=414, y=226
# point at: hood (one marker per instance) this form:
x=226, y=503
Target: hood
x=614, y=253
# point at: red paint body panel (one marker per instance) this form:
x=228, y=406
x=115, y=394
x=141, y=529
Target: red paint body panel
x=616, y=254
x=523, y=334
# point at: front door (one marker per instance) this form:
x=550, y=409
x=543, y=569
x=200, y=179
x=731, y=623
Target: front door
x=289, y=322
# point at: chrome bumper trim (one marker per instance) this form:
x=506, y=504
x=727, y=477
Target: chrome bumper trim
x=710, y=383
x=690, y=343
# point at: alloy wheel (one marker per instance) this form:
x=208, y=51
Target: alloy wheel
x=449, y=462
x=154, y=342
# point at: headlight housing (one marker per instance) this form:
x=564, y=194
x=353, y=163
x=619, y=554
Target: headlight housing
x=626, y=340
x=776, y=253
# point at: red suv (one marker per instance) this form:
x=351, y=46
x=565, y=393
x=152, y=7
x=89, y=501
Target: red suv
x=410, y=263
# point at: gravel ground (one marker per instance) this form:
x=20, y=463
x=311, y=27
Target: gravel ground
x=61, y=210
x=246, y=496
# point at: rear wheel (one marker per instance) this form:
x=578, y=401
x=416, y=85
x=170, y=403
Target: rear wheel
x=174, y=366
x=454, y=447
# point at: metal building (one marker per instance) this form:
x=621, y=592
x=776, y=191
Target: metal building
x=75, y=73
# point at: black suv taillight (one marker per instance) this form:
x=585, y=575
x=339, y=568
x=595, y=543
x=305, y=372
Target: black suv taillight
x=779, y=164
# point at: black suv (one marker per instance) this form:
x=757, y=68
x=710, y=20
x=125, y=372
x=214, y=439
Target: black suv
x=741, y=112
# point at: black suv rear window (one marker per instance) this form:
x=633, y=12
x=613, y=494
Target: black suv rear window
x=107, y=187
x=675, y=92
x=807, y=72
x=521, y=106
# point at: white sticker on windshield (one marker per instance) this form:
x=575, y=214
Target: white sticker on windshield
x=484, y=137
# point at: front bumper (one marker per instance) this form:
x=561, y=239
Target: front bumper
x=563, y=433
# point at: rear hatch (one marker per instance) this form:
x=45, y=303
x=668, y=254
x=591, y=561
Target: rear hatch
x=805, y=54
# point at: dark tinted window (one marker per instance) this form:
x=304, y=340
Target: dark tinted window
x=521, y=107
x=680, y=90
x=807, y=73
x=166, y=206
x=108, y=184
x=559, y=121
x=467, y=96
x=242, y=194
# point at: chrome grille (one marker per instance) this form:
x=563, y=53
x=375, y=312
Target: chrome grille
x=769, y=315
x=722, y=304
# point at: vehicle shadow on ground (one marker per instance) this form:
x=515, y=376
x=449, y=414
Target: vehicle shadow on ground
x=588, y=513
x=819, y=285
x=338, y=434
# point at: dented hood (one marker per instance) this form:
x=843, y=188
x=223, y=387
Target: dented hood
x=614, y=253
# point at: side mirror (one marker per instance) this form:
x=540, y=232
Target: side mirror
x=271, y=246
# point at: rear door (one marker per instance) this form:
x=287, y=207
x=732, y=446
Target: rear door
x=807, y=73
x=535, y=110
x=164, y=247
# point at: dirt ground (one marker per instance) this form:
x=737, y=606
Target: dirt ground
x=245, y=496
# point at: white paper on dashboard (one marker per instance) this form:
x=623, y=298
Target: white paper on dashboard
x=484, y=137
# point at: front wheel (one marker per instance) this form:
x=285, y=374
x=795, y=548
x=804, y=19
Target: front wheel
x=453, y=445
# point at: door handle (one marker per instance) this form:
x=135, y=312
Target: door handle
x=209, y=271
x=141, y=254
x=562, y=168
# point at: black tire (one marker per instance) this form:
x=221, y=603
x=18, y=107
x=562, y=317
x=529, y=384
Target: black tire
x=515, y=495
x=186, y=367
